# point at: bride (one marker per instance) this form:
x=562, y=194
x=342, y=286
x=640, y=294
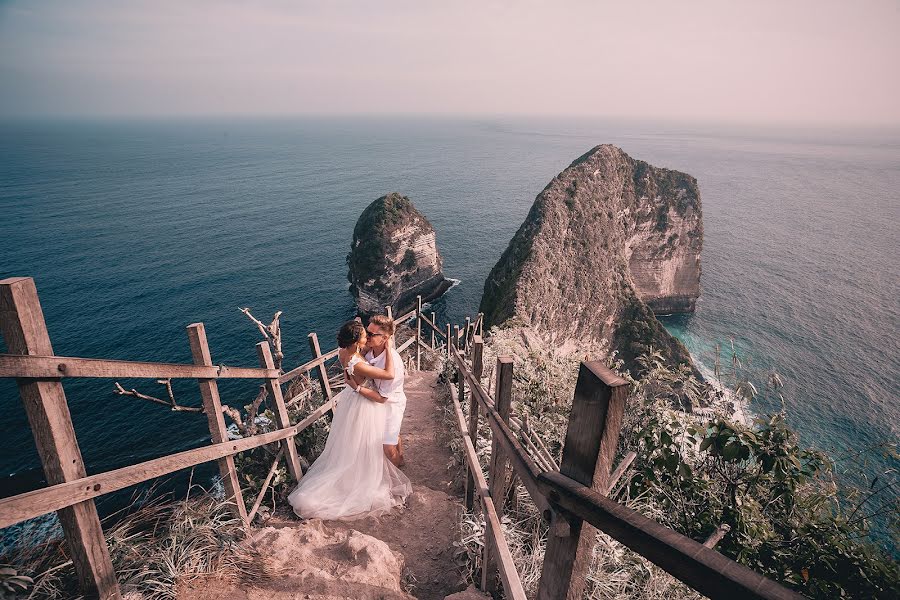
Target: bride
x=353, y=478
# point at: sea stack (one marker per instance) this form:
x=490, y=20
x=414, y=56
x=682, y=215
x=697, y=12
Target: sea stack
x=610, y=240
x=394, y=257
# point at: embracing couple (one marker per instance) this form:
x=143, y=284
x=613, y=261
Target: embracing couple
x=357, y=474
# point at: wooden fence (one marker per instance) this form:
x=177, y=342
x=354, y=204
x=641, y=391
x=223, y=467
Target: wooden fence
x=573, y=499
x=71, y=491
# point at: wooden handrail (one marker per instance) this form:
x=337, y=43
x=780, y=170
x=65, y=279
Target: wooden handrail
x=55, y=367
x=428, y=322
x=38, y=502
x=702, y=568
x=508, y=572
x=523, y=464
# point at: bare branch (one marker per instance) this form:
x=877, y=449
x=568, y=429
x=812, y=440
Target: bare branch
x=171, y=403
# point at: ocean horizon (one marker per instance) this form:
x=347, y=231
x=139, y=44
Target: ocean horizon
x=133, y=229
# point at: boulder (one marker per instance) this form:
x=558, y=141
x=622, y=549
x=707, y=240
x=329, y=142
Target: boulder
x=394, y=257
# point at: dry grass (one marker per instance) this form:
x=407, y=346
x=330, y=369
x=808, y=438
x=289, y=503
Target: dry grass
x=543, y=383
x=153, y=543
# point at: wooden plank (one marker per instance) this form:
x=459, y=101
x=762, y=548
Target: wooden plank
x=704, y=569
x=406, y=344
x=265, y=486
x=500, y=469
x=25, y=332
x=620, y=470
x=433, y=328
x=323, y=372
x=280, y=412
x=493, y=531
x=471, y=430
x=57, y=367
x=522, y=464
x=418, y=333
x=431, y=323
x=306, y=367
x=477, y=357
x=212, y=406
x=21, y=507
x=598, y=407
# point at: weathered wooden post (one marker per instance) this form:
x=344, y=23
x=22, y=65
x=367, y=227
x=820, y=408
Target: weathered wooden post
x=323, y=371
x=389, y=312
x=593, y=432
x=418, y=333
x=466, y=335
x=25, y=332
x=477, y=358
x=281, y=414
x=500, y=470
x=448, y=341
x=456, y=336
x=434, y=322
x=481, y=324
x=472, y=432
x=212, y=406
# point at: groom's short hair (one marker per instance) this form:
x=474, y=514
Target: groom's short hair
x=385, y=323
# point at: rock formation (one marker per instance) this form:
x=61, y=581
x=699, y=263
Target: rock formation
x=394, y=257
x=608, y=241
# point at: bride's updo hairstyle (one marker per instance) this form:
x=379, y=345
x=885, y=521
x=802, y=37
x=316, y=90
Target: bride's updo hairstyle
x=350, y=333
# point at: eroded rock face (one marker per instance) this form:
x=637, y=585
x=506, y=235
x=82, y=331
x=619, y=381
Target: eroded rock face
x=609, y=239
x=394, y=257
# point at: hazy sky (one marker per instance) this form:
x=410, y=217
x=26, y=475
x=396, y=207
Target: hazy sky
x=796, y=61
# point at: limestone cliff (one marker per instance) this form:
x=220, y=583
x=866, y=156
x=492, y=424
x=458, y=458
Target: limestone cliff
x=606, y=242
x=394, y=257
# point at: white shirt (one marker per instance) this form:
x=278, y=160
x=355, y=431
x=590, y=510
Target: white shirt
x=392, y=389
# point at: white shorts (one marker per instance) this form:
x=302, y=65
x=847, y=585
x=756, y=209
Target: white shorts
x=393, y=421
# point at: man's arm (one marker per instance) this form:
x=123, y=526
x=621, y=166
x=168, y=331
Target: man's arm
x=370, y=394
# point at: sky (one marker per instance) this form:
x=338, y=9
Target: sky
x=784, y=61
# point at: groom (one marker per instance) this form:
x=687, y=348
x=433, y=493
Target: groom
x=379, y=329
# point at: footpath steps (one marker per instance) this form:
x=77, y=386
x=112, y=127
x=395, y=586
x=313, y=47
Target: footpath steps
x=368, y=558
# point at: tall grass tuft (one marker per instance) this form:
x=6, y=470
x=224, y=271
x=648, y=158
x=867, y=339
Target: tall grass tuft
x=154, y=543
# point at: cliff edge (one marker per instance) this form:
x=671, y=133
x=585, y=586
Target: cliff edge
x=608, y=241
x=394, y=257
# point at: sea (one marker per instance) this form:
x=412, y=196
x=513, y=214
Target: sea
x=133, y=230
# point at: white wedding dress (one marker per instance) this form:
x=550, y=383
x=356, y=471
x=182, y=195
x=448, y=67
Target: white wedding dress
x=352, y=478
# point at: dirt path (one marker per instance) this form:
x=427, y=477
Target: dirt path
x=425, y=530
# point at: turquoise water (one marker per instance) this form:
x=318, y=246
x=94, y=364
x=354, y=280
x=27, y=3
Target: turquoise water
x=133, y=230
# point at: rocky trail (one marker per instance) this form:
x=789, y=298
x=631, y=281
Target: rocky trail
x=405, y=554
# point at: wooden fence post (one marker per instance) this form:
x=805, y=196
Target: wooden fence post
x=481, y=324
x=323, y=371
x=212, y=406
x=25, y=332
x=456, y=336
x=500, y=469
x=593, y=432
x=477, y=357
x=466, y=336
x=433, y=320
x=418, y=333
x=448, y=341
x=281, y=415
x=472, y=432
x=389, y=312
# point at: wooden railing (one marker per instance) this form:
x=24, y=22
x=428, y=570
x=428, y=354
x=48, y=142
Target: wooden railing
x=71, y=492
x=574, y=499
